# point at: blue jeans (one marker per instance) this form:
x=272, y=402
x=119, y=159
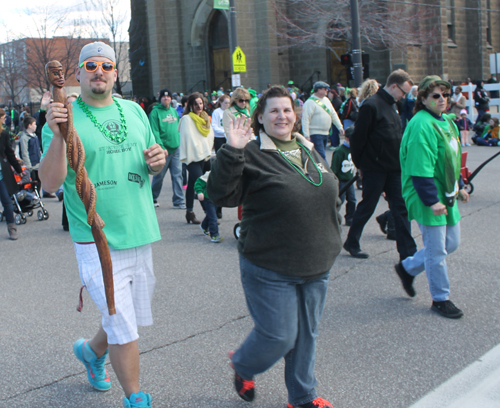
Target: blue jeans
x=347, y=123
x=320, y=144
x=286, y=312
x=334, y=136
x=439, y=241
x=174, y=164
x=8, y=208
x=350, y=193
x=210, y=221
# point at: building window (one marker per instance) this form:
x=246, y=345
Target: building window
x=450, y=17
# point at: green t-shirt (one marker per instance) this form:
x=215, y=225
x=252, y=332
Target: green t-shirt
x=119, y=173
x=165, y=126
x=423, y=154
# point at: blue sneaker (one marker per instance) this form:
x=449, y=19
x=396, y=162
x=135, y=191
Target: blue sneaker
x=96, y=373
x=139, y=400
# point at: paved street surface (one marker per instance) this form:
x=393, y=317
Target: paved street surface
x=377, y=348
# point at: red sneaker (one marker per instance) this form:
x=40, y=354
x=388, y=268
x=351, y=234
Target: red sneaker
x=244, y=388
x=317, y=403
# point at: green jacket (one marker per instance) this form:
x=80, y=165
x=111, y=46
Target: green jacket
x=201, y=185
x=164, y=123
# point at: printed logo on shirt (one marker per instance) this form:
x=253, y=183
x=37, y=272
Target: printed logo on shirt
x=347, y=165
x=105, y=184
x=118, y=149
x=113, y=126
x=170, y=119
x=136, y=178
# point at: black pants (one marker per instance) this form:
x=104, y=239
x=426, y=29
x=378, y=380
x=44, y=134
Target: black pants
x=374, y=184
x=218, y=142
x=195, y=171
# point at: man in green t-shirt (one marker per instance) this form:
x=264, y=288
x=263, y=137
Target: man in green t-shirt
x=120, y=152
x=164, y=121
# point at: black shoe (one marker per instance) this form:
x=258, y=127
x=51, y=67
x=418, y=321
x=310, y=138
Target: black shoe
x=447, y=309
x=48, y=195
x=356, y=253
x=406, y=279
x=219, y=212
x=382, y=223
x=60, y=196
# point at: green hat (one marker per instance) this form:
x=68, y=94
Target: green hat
x=424, y=83
x=252, y=92
x=290, y=82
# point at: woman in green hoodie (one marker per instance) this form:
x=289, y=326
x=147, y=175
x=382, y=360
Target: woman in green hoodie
x=430, y=174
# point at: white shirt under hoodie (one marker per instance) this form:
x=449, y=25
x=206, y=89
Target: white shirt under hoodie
x=316, y=121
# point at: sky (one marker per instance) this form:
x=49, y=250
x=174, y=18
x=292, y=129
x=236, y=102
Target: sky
x=15, y=21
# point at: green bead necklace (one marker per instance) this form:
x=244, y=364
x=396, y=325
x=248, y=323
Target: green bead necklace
x=300, y=171
x=120, y=137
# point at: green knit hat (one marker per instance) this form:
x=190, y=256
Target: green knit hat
x=424, y=83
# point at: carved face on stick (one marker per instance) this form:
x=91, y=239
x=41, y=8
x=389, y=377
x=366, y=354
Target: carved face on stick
x=55, y=73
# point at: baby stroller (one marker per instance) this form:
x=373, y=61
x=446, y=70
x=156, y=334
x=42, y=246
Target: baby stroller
x=27, y=199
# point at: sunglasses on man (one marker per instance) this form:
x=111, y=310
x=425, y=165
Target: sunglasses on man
x=91, y=66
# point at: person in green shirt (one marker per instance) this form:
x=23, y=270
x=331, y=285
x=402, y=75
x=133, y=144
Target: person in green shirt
x=430, y=157
x=164, y=121
x=120, y=152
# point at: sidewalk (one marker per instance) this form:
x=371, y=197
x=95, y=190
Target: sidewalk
x=477, y=386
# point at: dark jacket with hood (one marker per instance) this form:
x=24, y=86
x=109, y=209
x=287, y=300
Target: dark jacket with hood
x=377, y=135
x=8, y=158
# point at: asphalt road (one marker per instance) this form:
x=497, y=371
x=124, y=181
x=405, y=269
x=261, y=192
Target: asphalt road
x=377, y=348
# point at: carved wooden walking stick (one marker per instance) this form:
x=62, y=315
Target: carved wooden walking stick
x=85, y=188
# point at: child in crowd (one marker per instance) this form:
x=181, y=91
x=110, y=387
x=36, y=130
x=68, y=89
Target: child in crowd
x=343, y=167
x=493, y=131
x=481, y=130
x=209, y=224
x=464, y=126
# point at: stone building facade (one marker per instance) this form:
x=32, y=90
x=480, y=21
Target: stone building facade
x=184, y=45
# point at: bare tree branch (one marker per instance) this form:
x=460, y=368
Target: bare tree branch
x=322, y=23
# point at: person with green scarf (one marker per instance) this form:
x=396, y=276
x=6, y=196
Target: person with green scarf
x=197, y=141
x=239, y=106
x=430, y=158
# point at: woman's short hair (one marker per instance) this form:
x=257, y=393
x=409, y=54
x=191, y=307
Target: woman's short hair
x=191, y=100
x=276, y=91
x=239, y=93
x=424, y=93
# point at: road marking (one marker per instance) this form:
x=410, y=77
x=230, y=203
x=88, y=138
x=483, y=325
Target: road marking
x=477, y=386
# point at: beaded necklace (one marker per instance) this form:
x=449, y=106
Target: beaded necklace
x=120, y=137
x=300, y=171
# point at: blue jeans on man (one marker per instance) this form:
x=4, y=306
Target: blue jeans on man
x=320, y=142
x=174, y=164
x=439, y=241
x=350, y=206
x=286, y=312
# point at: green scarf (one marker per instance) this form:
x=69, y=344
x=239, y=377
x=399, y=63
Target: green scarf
x=240, y=112
x=452, y=160
x=202, y=122
x=315, y=99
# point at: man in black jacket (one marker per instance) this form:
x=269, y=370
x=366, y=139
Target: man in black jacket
x=375, y=151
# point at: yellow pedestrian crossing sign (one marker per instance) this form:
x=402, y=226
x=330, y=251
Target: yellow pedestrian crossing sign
x=239, y=61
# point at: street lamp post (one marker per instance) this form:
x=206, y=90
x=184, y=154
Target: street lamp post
x=357, y=64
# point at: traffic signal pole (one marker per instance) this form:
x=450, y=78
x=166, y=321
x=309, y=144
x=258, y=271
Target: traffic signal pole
x=356, y=45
